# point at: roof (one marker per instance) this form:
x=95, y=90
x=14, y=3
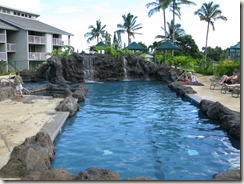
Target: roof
x=135, y=46
x=167, y=46
x=31, y=25
x=7, y=26
x=5, y=7
x=100, y=44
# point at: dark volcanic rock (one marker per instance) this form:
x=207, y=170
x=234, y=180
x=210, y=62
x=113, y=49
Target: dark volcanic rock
x=97, y=174
x=50, y=175
x=102, y=67
x=35, y=154
x=231, y=175
x=228, y=119
x=69, y=104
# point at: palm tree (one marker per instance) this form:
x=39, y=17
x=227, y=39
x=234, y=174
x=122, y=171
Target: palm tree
x=96, y=32
x=176, y=8
x=129, y=26
x=157, y=6
x=209, y=12
x=179, y=32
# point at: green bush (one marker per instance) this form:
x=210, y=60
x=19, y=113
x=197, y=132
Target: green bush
x=226, y=67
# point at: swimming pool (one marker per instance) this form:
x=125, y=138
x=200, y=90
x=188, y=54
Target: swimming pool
x=143, y=129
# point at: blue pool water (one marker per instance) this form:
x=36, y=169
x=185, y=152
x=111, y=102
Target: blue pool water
x=143, y=129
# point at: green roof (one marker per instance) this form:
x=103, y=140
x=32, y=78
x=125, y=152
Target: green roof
x=135, y=46
x=167, y=46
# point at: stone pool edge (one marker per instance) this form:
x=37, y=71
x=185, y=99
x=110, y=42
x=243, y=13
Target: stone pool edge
x=54, y=127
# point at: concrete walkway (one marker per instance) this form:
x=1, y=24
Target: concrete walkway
x=204, y=92
x=23, y=118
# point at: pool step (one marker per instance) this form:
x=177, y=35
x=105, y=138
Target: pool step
x=54, y=126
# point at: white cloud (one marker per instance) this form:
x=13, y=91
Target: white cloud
x=68, y=10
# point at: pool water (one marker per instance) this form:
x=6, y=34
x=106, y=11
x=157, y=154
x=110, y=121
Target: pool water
x=143, y=129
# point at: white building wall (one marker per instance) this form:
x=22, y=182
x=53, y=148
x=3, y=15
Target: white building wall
x=49, y=44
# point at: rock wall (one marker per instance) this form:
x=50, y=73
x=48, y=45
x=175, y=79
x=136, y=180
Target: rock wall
x=101, y=67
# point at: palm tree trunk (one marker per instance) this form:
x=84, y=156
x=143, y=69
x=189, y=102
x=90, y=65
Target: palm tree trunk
x=173, y=25
x=128, y=39
x=206, y=45
x=165, y=32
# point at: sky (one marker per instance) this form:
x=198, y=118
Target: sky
x=75, y=16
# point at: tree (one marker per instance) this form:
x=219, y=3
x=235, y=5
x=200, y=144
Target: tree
x=172, y=29
x=157, y=6
x=96, y=32
x=175, y=6
x=209, y=12
x=188, y=47
x=129, y=26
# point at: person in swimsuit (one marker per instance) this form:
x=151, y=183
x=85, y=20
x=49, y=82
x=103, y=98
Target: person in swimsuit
x=229, y=80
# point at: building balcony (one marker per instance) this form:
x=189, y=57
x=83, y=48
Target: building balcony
x=3, y=56
x=37, y=56
x=58, y=42
x=37, y=40
x=11, y=47
x=2, y=37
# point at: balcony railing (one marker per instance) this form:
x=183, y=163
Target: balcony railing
x=58, y=41
x=11, y=47
x=2, y=37
x=3, y=56
x=37, y=39
x=37, y=56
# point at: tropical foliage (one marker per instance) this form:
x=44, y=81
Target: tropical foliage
x=66, y=50
x=157, y=6
x=209, y=12
x=129, y=26
x=96, y=32
x=177, y=30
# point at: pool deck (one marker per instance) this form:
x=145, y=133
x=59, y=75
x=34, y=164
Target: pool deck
x=22, y=118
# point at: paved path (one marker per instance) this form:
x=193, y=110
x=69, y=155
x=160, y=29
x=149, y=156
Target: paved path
x=215, y=95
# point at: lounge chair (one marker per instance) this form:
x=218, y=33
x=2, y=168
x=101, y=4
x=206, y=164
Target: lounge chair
x=215, y=83
x=233, y=88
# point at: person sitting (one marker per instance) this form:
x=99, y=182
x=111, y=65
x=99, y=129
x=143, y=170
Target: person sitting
x=229, y=80
x=185, y=78
x=191, y=77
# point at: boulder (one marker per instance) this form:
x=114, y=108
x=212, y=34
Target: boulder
x=6, y=93
x=228, y=119
x=97, y=174
x=69, y=104
x=231, y=175
x=80, y=93
x=50, y=175
x=35, y=154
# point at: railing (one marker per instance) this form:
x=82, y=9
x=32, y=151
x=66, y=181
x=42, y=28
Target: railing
x=11, y=47
x=37, y=39
x=3, y=56
x=58, y=41
x=12, y=66
x=2, y=37
x=37, y=56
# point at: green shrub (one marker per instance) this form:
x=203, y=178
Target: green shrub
x=226, y=67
